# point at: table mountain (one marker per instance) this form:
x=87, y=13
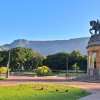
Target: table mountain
x=51, y=47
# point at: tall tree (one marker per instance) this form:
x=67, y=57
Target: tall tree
x=3, y=58
x=24, y=57
x=58, y=61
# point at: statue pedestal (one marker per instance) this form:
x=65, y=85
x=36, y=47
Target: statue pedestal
x=93, y=48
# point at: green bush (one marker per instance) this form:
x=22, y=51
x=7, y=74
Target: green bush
x=3, y=70
x=43, y=71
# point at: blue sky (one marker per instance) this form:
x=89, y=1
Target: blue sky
x=46, y=19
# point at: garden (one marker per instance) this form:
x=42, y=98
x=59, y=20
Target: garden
x=24, y=61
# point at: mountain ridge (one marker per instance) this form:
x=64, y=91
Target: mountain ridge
x=51, y=46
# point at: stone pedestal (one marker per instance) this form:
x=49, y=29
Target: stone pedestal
x=93, y=47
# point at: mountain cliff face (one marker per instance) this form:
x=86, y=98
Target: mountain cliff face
x=51, y=47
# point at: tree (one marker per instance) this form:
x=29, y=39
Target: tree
x=56, y=61
x=76, y=67
x=76, y=56
x=24, y=57
x=3, y=58
x=76, y=53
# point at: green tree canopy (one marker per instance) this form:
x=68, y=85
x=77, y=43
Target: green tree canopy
x=24, y=57
x=3, y=58
x=58, y=61
x=21, y=57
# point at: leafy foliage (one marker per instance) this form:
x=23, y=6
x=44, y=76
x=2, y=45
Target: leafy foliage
x=25, y=57
x=3, y=58
x=21, y=57
x=58, y=61
x=76, y=67
x=29, y=59
x=3, y=70
x=43, y=71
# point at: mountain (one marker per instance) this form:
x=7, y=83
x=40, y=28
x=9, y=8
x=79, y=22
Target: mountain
x=51, y=47
x=2, y=48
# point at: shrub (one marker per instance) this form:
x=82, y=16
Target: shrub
x=3, y=70
x=43, y=71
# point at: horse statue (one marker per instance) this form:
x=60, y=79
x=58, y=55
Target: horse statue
x=95, y=26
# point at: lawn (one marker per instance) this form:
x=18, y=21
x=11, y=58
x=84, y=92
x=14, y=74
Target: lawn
x=71, y=74
x=61, y=74
x=41, y=92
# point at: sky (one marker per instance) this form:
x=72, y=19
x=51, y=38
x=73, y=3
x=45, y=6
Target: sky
x=46, y=19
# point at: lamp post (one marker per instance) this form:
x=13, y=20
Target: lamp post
x=66, y=66
x=7, y=75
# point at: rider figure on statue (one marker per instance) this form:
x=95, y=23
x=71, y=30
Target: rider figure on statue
x=95, y=26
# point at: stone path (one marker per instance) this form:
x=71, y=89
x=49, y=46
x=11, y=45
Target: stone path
x=91, y=97
x=91, y=87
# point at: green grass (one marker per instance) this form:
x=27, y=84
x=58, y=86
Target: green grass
x=35, y=92
x=71, y=74
x=28, y=73
x=2, y=78
x=62, y=74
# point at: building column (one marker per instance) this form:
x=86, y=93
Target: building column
x=88, y=63
x=97, y=62
x=91, y=64
x=98, y=67
x=90, y=69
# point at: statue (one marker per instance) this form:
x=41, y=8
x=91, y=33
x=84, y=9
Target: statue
x=95, y=26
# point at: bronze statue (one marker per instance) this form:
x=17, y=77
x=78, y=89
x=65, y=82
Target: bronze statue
x=95, y=26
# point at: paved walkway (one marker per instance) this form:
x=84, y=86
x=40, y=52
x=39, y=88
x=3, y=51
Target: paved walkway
x=91, y=97
x=91, y=87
